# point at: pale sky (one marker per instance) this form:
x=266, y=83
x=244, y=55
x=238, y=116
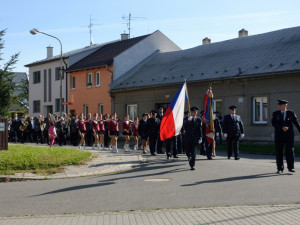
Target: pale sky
x=186, y=23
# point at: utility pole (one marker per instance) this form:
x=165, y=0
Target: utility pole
x=128, y=21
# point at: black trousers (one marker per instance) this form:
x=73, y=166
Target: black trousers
x=159, y=145
x=233, y=144
x=153, y=144
x=39, y=137
x=208, y=148
x=88, y=138
x=61, y=137
x=190, y=149
x=171, y=145
x=74, y=138
x=289, y=153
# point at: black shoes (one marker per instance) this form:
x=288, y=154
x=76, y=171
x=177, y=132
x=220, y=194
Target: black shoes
x=192, y=168
x=228, y=157
x=209, y=158
x=175, y=157
x=236, y=158
x=280, y=171
x=292, y=170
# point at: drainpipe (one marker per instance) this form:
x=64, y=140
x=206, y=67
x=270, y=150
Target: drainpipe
x=111, y=98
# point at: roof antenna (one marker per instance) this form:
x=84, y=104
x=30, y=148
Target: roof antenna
x=128, y=21
x=90, y=28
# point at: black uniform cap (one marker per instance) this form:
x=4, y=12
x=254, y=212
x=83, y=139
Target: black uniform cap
x=186, y=113
x=282, y=102
x=144, y=114
x=194, y=108
x=232, y=107
x=153, y=111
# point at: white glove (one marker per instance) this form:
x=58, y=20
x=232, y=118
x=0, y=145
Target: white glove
x=242, y=135
x=200, y=141
x=217, y=134
x=225, y=135
x=190, y=118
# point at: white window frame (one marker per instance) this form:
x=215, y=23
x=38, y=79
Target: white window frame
x=85, y=110
x=215, y=104
x=260, y=100
x=97, y=79
x=89, y=80
x=128, y=110
x=100, y=108
x=73, y=82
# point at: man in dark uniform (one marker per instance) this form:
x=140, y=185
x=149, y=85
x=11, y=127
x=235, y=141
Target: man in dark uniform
x=74, y=132
x=59, y=130
x=153, y=127
x=282, y=121
x=192, y=135
x=142, y=130
x=160, y=115
x=16, y=123
x=233, y=129
x=89, y=130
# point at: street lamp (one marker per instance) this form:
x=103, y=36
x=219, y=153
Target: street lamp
x=34, y=31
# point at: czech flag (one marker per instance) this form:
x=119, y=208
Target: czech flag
x=172, y=121
x=208, y=116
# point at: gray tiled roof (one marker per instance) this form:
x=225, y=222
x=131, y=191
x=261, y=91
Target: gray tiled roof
x=257, y=55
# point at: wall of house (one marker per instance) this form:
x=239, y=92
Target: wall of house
x=238, y=92
x=91, y=96
x=36, y=91
x=140, y=51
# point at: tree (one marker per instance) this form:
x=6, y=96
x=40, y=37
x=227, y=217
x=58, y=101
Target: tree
x=24, y=95
x=7, y=85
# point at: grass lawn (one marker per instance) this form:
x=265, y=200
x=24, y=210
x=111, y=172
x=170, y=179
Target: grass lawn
x=257, y=149
x=45, y=160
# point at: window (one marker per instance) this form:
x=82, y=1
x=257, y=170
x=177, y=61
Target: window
x=89, y=81
x=36, y=77
x=57, y=73
x=57, y=105
x=218, y=106
x=36, y=106
x=260, y=110
x=45, y=85
x=73, y=82
x=49, y=85
x=85, y=110
x=100, y=108
x=97, y=79
x=132, y=111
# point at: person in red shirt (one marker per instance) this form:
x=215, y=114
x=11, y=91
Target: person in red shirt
x=96, y=128
x=81, y=130
x=113, y=128
x=135, y=132
x=101, y=132
x=126, y=125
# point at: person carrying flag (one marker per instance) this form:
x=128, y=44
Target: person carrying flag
x=192, y=135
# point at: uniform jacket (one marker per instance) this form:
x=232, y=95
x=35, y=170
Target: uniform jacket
x=81, y=125
x=278, y=123
x=95, y=125
x=142, y=128
x=135, y=129
x=192, y=129
x=217, y=126
x=113, y=125
x=233, y=127
x=16, y=123
x=153, y=127
x=126, y=125
x=88, y=125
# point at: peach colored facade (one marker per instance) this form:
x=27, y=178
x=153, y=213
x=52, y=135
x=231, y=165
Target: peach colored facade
x=86, y=96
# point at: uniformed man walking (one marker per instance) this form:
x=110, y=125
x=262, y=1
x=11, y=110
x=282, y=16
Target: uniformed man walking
x=152, y=127
x=233, y=129
x=282, y=121
x=192, y=135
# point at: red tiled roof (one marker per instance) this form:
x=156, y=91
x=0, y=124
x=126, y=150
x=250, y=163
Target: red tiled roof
x=105, y=55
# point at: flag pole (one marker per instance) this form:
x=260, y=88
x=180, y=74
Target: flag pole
x=187, y=93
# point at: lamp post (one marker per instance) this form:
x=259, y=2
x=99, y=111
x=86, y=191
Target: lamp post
x=34, y=31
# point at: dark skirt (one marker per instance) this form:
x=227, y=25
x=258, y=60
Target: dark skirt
x=126, y=133
x=100, y=132
x=114, y=133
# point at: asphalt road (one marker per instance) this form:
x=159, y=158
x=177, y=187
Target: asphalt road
x=218, y=182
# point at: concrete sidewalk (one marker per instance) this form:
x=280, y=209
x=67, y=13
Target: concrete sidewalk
x=103, y=162
x=279, y=214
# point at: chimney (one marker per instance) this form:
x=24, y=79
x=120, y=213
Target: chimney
x=124, y=36
x=49, y=52
x=206, y=41
x=243, y=33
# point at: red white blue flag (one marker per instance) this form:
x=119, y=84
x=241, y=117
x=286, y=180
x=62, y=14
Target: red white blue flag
x=208, y=115
x=172, y=121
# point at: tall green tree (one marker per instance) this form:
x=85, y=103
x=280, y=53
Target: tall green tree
x=24, y=95
x=7, y=85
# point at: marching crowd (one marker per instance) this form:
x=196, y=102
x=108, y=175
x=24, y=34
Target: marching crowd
x=102, y=131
